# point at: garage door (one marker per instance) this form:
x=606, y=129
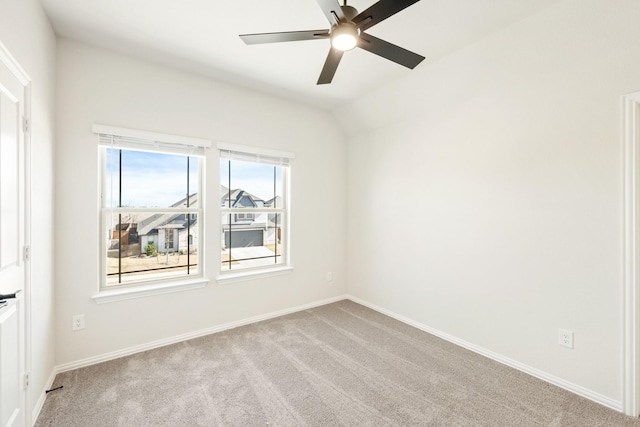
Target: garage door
x=244, y=238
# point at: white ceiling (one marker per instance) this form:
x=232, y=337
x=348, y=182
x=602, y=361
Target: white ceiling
x=202, y=36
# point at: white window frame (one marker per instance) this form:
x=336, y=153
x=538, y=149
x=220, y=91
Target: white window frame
x=267, y=156
x=132, y=139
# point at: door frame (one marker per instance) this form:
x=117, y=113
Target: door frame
x=631, y=252
x=16, y=69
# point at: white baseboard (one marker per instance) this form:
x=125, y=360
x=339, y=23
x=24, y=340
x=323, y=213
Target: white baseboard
x=190, y=335
x=552, y=379
x=43, y=396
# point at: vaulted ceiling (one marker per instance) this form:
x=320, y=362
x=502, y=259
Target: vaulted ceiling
x=201, y=36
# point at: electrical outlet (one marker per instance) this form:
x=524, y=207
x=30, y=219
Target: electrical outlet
x=329, y=276
x=77, y=322
x=565, y=338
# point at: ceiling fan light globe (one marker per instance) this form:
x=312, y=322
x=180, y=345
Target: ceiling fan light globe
x=343, y=42
x=344, y=36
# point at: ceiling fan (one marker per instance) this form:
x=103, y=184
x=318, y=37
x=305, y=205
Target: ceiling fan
x=347, y=32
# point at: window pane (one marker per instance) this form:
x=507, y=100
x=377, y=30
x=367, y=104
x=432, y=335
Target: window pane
x=250, y=185
x=143, y=246
x=150, y=179
x=251, y=232
x=253, y=243
x=194, y=177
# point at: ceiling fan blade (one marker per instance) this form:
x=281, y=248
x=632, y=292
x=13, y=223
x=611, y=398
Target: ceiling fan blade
x=330, y=66
x=389, y=51
x=380, y=11
x=289, y=36
x=329, y=7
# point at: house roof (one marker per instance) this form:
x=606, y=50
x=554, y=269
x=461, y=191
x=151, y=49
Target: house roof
x=193, y=200
x=156, y=221
x=237, y=196
x=172, y=225
x=277, y=199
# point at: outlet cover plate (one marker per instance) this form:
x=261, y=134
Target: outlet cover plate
x=565, y=338
x=77, y=322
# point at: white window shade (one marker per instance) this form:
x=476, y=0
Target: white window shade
x=133, y=139
x=254, y=154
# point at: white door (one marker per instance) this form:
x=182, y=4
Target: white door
x=12, y=232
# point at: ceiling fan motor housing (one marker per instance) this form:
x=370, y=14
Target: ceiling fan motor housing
x=349, y=12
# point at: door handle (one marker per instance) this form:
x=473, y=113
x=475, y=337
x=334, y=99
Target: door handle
x=8, y=296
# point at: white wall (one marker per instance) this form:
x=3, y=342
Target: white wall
x=485, y=191
x=26, y=33
x=96, y=86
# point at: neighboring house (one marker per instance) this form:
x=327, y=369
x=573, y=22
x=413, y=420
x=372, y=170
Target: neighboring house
x=174, y=232
x=169, y=232
x=275, y=219
x=247, y=228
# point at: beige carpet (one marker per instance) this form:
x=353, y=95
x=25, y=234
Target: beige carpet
x=337, y=365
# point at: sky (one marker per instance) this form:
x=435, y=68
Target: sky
x=160, y=180
x=150, y=179
x=255, y=178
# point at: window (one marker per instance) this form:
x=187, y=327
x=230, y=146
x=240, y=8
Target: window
x=151, y=207
x=244, y=217
x=254, y=208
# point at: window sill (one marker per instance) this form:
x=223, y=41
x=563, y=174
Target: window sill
x=103, y=297
x=240, y=276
